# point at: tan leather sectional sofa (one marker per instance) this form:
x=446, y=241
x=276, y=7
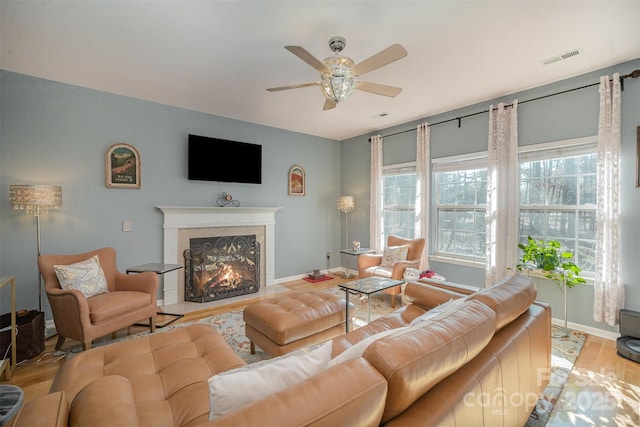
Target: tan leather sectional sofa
x=482, y=358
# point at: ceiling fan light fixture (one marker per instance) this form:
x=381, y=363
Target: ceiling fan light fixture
x=338, y=88
x=339, y=74
x=340, y=82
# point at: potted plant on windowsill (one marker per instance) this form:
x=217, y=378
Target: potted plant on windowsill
x=555, y=263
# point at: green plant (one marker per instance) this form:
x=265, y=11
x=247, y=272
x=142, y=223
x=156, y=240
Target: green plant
x=552, y=259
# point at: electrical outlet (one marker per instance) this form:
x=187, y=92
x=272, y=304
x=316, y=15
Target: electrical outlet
x=328, y=256
x=127, y=225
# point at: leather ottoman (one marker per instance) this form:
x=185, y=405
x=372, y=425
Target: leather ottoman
x=298, y=319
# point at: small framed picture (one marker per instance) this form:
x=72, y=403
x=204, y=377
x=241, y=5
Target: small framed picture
x=296, y=181
x=122, y=166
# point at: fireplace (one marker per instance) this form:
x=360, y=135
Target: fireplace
x=183, y=223
x=221, y=267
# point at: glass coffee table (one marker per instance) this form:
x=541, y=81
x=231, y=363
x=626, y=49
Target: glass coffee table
x=367, y=286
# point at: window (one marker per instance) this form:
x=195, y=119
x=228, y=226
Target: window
x=460, y=199
x=558, y=185
x=398, y=201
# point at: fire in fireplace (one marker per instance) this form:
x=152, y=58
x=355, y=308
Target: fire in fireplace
x=221, y=267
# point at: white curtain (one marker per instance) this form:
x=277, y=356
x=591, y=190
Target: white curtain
x=608, y=289
x=502, y=192
x=423, y=187
x=375, y=206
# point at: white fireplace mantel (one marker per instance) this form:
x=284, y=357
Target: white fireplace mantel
x=181, y=217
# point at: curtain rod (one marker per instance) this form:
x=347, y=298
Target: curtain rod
x=634, y=74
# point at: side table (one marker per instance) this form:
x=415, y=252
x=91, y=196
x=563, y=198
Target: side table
x=350, y=253
x=366, y=286
x=160, y=269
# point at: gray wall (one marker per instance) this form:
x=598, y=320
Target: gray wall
x=54, y=133
x=566, y=116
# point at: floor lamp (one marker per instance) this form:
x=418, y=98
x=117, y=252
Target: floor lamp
x=36, y=200
x=345, y=205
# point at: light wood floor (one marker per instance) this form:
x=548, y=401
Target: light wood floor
x=602, y=390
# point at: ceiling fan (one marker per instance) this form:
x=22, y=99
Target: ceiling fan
x=340, y=74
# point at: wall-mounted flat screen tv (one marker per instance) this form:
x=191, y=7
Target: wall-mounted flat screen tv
x=213, y=159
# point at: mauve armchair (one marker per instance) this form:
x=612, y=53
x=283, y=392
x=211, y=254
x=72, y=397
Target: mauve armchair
x=369, y=264
x=130, y=299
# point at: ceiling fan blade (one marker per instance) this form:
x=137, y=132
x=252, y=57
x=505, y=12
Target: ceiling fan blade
x=380, y=59
x=329, y=104
x=275, y=89
x=390, y=91
x=302, y=53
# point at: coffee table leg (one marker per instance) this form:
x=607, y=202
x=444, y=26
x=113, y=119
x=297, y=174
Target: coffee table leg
x=346, y=292
x=368, y=308
x=347, y=273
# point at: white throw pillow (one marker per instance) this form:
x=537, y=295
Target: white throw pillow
x=393, y=254
x=86, y=276
x=235, y=388
x=447, y=307
x=358, y=348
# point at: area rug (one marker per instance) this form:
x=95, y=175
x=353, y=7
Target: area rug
x=564, y=353
x=318, y=280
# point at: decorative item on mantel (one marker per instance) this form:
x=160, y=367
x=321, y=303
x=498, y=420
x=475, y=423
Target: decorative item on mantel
x=226, y=200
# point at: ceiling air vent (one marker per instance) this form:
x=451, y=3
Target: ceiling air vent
x=566, y=55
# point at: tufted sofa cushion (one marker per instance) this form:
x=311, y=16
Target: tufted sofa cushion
x=297, y=315
x=167, y=374
x=112, y=403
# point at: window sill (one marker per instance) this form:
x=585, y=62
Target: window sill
x=481, y=265
x=539, y=274
x=457, y=261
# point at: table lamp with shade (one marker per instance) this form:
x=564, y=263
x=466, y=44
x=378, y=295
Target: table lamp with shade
x=36, y=200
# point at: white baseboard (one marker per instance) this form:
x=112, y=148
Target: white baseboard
x=588, y=329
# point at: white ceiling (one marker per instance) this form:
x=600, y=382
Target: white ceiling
x=219, y=57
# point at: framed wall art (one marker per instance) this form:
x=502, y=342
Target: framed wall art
x=122, y=166
x=297, y=182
